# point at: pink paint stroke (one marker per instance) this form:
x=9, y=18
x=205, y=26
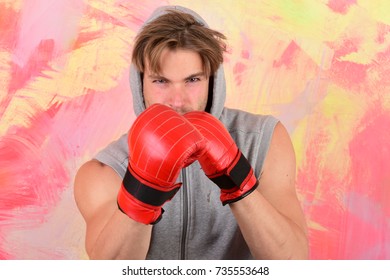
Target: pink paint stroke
x=341, y=6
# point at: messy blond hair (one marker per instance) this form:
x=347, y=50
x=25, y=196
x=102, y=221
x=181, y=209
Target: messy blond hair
x=178, y=30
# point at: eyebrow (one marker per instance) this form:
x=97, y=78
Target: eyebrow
x=160, y=77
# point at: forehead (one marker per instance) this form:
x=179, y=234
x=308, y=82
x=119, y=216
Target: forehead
x=177, y=62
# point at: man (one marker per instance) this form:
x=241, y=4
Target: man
x=232, y=196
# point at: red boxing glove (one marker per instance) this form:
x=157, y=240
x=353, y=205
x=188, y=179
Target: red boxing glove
x=161, y=142
x=223, y=162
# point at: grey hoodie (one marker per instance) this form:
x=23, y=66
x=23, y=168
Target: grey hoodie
x=195, y=225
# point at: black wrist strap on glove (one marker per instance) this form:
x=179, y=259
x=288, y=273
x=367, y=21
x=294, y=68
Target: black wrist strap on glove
x=236, y=176
x=146, y=194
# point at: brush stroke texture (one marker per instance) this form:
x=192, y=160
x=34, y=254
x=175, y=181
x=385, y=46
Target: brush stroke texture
x=321, y=67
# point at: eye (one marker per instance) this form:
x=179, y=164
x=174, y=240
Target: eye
x=193, y=79
x=159, y=81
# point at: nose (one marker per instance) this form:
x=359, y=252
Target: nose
x=176, y=97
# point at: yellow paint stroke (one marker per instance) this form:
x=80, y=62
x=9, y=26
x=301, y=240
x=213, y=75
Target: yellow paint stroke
x=340, y=113
x=316, y=226
x=14, y=4
x=299, y=140
x=5, y=73
x=378, y=9
x=98, y=65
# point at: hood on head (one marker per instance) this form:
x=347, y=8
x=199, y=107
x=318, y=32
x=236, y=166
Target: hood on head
x=218, y=88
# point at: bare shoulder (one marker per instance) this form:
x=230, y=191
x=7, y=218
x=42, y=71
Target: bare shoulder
x=95, y=187
x=281, y=149
x=280, y=162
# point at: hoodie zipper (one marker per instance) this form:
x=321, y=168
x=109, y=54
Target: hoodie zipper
x=185, y=216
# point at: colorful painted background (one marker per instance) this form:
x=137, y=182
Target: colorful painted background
x=322, y=67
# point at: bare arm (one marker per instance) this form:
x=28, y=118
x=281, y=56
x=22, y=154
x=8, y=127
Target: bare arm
x=271, y=218
x=110, y=234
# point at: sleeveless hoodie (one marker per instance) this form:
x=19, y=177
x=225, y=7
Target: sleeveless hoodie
x=195, y=225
